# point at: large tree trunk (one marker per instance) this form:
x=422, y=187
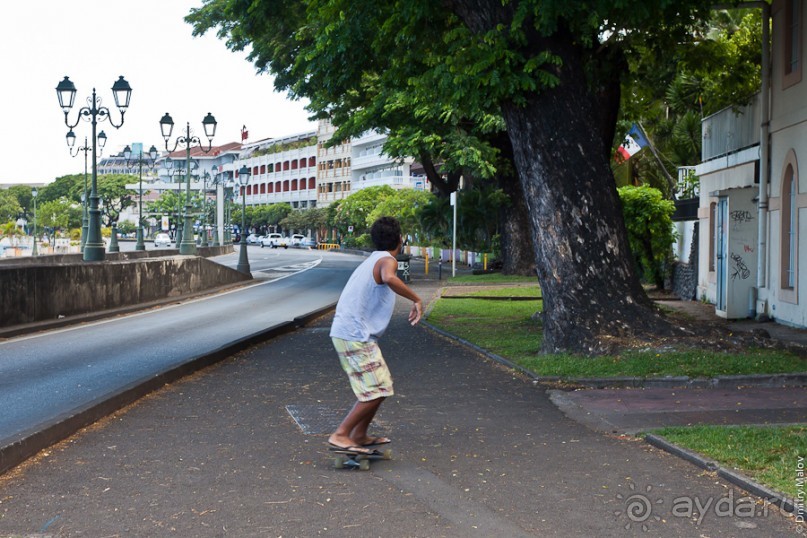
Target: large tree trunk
x=518, y=255
x=592, y=295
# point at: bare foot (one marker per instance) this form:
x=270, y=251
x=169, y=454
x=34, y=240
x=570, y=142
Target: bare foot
x=371, y=441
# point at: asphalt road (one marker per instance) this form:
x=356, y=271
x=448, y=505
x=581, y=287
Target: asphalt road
x=53, y=373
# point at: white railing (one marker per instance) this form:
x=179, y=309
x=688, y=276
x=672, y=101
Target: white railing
x=730, y=130
x=370, y=161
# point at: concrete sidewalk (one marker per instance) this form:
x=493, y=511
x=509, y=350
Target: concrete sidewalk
x=239, y=450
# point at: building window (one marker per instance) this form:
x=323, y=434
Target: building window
x=789, y=215
x=792, y=44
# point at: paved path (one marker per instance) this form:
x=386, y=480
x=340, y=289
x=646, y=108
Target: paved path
x=479, y=451
x=637, y=410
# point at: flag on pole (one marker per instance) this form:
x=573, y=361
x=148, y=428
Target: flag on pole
x=244, y=133
x=634, y=141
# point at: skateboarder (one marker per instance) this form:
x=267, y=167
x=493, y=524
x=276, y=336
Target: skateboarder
x=362, y=315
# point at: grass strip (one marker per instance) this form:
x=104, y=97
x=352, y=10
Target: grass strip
x=517, y=291
x=507, y=329
x=491, y=278
x=767, y=454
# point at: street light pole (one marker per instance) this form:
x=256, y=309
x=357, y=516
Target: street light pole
x=228, y=213
x=188, y=245
x=243, y=261
x=205, y=176
x=217, y=228
x=152, y=154
x=33, y=195
x=71, y=141
x=94, y=112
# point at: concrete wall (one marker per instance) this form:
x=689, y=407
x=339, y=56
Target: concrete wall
x=34, y=291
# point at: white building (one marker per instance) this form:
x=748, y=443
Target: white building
x=370, y=167
x=753, y=201
x=333, y=166
x=283, y=170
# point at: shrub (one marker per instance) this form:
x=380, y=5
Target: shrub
x=648, y=218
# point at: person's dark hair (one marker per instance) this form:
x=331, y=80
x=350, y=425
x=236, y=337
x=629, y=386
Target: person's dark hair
x=385, y=233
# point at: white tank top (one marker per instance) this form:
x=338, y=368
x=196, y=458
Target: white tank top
x=364, y=308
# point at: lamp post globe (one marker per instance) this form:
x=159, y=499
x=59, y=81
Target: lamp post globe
x=243, y=260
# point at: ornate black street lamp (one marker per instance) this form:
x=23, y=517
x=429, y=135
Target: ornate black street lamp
x=94, y=112
x=243, y=261
x=71, y=142
x=188, y=245
x=216, y=179
x=204, y=177
x=174, y=168
x=33, y=195
x=152, y=157
x=228, y=210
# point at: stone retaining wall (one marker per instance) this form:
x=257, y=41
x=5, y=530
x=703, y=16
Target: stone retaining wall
x=40, y=289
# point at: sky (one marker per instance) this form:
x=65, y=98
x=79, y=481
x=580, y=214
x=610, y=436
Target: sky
x=147, y=41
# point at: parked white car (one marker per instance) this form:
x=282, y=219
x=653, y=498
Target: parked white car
x=162, y=240
x=274, y=240
x=296, y=240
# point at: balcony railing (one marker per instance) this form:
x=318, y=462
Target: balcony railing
x=730, y=130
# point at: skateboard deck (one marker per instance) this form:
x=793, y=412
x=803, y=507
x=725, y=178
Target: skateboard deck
x=353, y=460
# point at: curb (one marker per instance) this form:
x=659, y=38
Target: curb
x=21, y=447
x=672, y=382
x=766, y=494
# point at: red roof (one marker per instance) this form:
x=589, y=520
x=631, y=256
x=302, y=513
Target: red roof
x=196, y=151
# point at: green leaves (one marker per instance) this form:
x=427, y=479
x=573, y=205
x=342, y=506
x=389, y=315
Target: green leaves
x=10, y=207
x=648, y=219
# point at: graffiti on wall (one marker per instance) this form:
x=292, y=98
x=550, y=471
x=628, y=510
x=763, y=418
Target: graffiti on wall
x=738, y=267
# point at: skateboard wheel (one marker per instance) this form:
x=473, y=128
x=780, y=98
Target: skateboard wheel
x=339, y=462
x=364, y=465
x=387, y=454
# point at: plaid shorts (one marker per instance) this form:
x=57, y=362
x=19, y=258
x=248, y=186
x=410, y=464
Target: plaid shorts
x=368, y=373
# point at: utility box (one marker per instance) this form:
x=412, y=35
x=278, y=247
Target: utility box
x=403, y=267
x=736, y=245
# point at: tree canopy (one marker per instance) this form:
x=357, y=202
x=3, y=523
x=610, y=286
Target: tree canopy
x=445, y=78
x=10, y=208
x=670, y=94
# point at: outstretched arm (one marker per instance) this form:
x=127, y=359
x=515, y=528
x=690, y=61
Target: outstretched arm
x=389, y=276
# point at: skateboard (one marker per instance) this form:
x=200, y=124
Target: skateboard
x=352, y=460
